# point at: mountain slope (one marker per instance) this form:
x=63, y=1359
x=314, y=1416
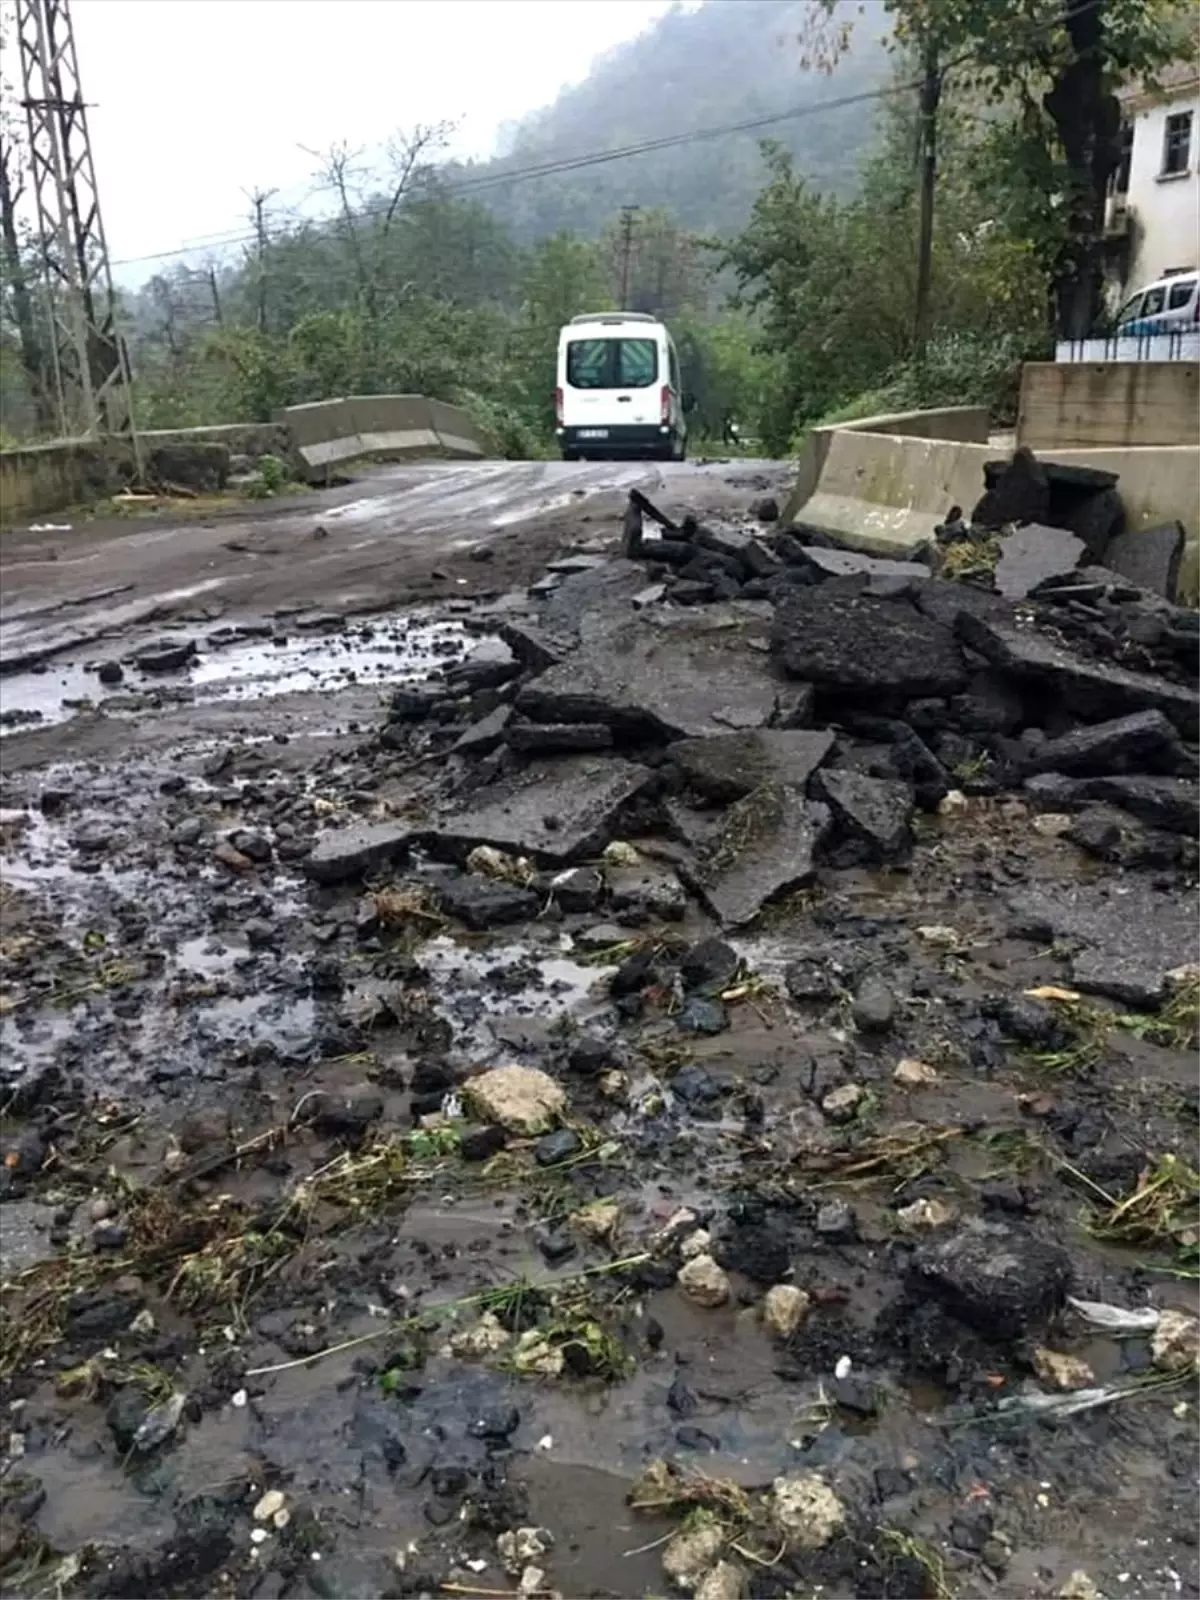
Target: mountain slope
x=729, y=61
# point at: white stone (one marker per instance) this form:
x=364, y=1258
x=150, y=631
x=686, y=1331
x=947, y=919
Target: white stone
x=840, y=1104
x=597, y=1221
x=696, y=1244
x=519, y=1546
x=484, y=1339
x=725, y=1581
x=703, y=1281
x=913, y=1074
x=269, y=1504
x=1058, y=1370
x=784, y=1308
x=1079, y=1587
x=1051, y=824
x=806, y=1511
x=1175, y=1343
x=924, y=1214
x=953, y=804
x=689, y=1555
x=521, y=1099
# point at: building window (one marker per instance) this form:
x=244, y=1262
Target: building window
x=1120, y=181
x=1177, y=143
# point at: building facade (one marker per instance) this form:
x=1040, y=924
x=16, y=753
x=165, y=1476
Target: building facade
x=1153, y=215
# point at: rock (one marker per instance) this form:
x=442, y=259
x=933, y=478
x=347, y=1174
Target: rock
x=1149, y=557
x=490, y=665
x=254, y=846
x=727, y=766
x=841, y=1104
x=486, y=1338
x=1167, y=803
x=725, y=1581
x=874, y=1008
x=925, y=1214
x=836, y=1222
x=558, y=1146
x=598, y=1221
x=1018, y=491
x=1175, y=1342
x=764, y=849
x=109, y=1236
x=110, y=672
x=344, y=1116
x=1030, y=555
x=662, y=676
x=127, y=1410
x=1131, y=934
x=550, y=736
x=809, y=981
x=555, y=811
x=484, y=736
x=698, y=1015
x=875, y=812
x=1088, y=689
x=704, y=1282
x=709, y=966
x=481, y=1143
x=268, y=1504
x=828, y=563
x=168, y=655
x=1143, y=741
x=998, y=1279
x=1059, y=1370
x=805, y=1511
x=913, y=1074
x=229, y=856
x=971, y=1525
x=577, y=888
x=1079, y=1586
x=765, y=508
x=414, y=702
x=591, y=1056
x=990, y=704
x=696, y=1087
x=859, y=645
x=486, y=902
x=648, y=892
x=189, y=831
x=1097, y=832
x=521, y=1099
x=690, y=1554
x=784, y=1308
x=352, y=853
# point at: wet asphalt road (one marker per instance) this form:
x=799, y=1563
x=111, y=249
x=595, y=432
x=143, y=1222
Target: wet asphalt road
x=369, y=545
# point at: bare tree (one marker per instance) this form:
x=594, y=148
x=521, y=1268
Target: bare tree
x=16, y=277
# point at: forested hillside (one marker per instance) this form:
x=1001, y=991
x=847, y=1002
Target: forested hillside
x=729, y=61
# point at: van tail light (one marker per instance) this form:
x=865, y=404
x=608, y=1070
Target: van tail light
x=558, y=406
x=665, y=415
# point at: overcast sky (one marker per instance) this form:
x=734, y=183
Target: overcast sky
x=192, y=101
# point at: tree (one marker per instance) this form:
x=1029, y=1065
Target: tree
x=1054, y=66
x=16, y=297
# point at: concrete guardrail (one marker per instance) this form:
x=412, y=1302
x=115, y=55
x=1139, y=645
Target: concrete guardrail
x=403, y=426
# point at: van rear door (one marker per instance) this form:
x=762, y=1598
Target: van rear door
x=612, y=381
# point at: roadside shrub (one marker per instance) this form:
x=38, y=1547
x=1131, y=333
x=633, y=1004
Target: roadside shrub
x=273, y=473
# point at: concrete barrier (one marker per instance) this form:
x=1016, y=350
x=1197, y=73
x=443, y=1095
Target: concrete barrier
x=41, y=478
x=885, y=494
x=401, y=426
x=1109, y=404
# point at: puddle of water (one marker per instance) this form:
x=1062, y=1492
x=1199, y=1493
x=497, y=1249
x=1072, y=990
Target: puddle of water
x=392, y=650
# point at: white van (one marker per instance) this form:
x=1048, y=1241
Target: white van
x=1172, y=305
x=618, y=390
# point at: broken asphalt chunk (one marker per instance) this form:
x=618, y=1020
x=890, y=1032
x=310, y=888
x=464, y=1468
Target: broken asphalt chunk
x=998, y=1279
x=875, y=812
x=1144, y=741
x=1087, y=688
x=764, y=849
x=857, y=644
x=727, y=766
x=1030, y=555
x=350, y=853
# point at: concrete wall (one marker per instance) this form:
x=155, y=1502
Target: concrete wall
x=952, y=422
x=253, y=439
x=1109, y=404
x=46, y=477
x=885, y=494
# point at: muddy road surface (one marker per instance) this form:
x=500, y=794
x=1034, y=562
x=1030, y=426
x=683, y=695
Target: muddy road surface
x=545, y=1073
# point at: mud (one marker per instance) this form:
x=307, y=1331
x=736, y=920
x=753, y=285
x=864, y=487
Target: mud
x=239, y=1182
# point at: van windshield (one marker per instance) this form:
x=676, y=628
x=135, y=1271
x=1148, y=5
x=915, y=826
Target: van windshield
x=611, y=363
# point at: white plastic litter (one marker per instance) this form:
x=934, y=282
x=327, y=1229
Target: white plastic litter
x=1114, y=1319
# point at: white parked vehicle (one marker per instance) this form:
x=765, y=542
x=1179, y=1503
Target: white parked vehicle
x=1172, y=305
x=618, y=390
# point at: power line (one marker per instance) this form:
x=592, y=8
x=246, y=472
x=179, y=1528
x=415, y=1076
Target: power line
x=598, y=158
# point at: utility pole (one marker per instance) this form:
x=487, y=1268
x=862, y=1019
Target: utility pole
x=628, y=219
x=258, y=201
x=931, y=93
x=89, y=364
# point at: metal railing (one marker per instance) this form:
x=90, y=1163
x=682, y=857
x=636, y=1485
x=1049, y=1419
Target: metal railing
x=1175, y=344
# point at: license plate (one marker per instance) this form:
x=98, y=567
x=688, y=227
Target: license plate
x=593, y=433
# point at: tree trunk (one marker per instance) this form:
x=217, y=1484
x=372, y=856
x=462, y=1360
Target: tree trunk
x=1087, y=118
x=931, y=93
x=33, y=356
